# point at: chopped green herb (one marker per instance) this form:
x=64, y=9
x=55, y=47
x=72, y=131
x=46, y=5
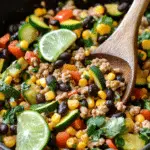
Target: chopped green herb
x=147, y=104
x=97, y=121
x=88, y=62
x=18, y=66
x=86, y=77
x=145, y=135
x=35, y=69
x=96, y=135
x=119, y=142
x=144, y=36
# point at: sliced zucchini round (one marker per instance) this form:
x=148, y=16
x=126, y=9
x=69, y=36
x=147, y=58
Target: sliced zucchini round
x=37, y=23
x=28, y=33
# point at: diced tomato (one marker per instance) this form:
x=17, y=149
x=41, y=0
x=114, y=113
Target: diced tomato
x=146, y=114
x=110, y=144
x=4, y=40
x=64, y=15
x=29, y=55
x=78, y=124
x=15, y=50
x=138, y=93
x=75, y=75
x=61, y=139
x=72, y=93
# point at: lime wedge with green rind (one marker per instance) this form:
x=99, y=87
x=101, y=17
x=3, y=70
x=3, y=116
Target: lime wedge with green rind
x=32, y=131
x=55, y=43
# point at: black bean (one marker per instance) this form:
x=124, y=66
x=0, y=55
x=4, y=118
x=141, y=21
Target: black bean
x=58, y=63
x=52, y=142
x=119, y=77
x=65, y=56
x=3, y=128
x=123, y=6
x=84, y=102
x=120, y=114
x=54, y=23
x=4, y=53
x=110, y=94
x=101, y=39
x=109, y=103
x=13, y=28
x=46, y=20
x=88, y=22
x=93, y=90
x=40, y=98
x=79, y=43
x=63, y=108
x=50, y=79
x=1, y=105
x=64, y=87
x=13, y=129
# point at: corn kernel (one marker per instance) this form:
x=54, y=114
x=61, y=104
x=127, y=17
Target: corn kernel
x=83, y=82
x=24, y=45
x=91, y=102
x=83, y=14
x=146, y=44
x=26, y=105
x=78, y=32
x=8, y=80
x=9, y=141
x=86, y=34
x=40, y=11
x=71, y=142
x=43, y=82
x=73, y=104
x=100, y=102
x=103, y=29
x=102, y=94
x=2, y=96
x=13, y=104
x=51, y=125
x=85, y=138
x=27, y=19
x=2, y=112
x=142, y=55
x=128, y=115
x=139, y=118
x=111, y=76
x=129, y=124
x=56, y=118
x=49, y=96
x=81, y=145
x=147, y=30
x=38, y=82
x=33, y=79
x=115, y=23
x=79, y=134
x=99, y=10
x=148, y=79
x=70, y=130
x=87, y=53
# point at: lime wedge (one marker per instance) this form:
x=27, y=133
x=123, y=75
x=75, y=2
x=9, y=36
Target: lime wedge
x=56, y=42
x=32, y=131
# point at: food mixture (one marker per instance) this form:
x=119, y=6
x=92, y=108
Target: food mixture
x=53, y=95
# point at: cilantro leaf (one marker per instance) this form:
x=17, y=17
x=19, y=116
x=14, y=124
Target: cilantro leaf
x=144, y=36
x=145, y=134
x=114, y=126
x=119, y=141
x=53, y=84
x=106, y=20
x=10, y=116
x=18, y=66
x=147, y=104
x=96, y=135
x=35, y=69
x=97, y=121
x=90, y=129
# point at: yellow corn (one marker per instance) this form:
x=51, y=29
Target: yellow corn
x=2, y=96
x=103, y=29
x=9, y=141
x=81, y=145
x=128, y=115
x=49, y=96
x=111, y=76
x=56, y=118
x=87, y=53
x=33, y=79
x=2, y=112
x=99, y=10
x=40, y=11
x=38, y=82
x=8, y=80
x=73, y=104
x=129, y=124
x=146, y=44
x=13, y=104
x=43, y=82
x=27, y=19
x=26, y=105
x=148, y=79
x=115, y=23
x=85, y=138
x=78, y=32
x=83, y=82
x=86, y=34
x=142, y=55
x=91, y=102
x=79, y=134
x=100, y=102
x=24, y=44
x=139, y=118
x=102, y=94
x=70, y=130
x=71, y=142
x=83, y=14
x=51, y=125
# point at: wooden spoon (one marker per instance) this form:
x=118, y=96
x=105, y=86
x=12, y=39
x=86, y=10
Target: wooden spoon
x=120, y=49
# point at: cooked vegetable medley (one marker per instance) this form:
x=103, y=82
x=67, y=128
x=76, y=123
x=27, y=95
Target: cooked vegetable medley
x=53, y=95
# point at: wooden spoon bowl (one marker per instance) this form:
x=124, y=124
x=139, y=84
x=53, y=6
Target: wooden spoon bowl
x=120, y=49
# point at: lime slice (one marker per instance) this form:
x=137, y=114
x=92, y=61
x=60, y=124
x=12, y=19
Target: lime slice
x=56, y=42
x=32, y=131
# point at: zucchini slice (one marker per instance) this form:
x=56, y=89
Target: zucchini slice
x=112, y=10
x=98, y=77
x=28, y=33
x=71, y=24
x=37, y=23
x=67, y=120
x=48, y=107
